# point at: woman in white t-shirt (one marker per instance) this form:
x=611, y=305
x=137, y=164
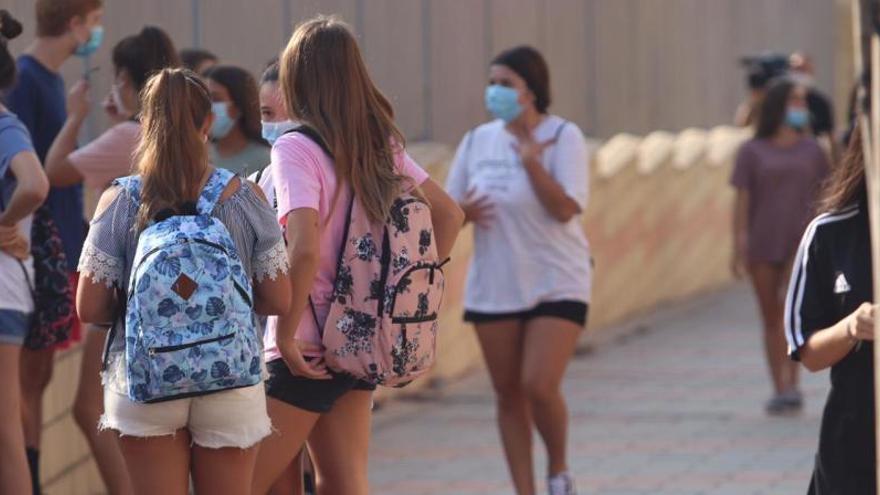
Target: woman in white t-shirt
x=522, y=180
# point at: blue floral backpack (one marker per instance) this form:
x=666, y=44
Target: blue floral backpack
x=189, y=321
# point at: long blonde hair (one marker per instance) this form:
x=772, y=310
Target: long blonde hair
x=326, y=86
x=172, y=156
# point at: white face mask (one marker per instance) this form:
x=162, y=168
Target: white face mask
x=274, y=130
x=117, y=100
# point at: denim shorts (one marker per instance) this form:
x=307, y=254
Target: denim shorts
x=14, y=326
x=231, y=418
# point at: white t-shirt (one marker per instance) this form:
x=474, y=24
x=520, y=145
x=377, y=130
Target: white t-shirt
x=525, y=256
x=264, y=180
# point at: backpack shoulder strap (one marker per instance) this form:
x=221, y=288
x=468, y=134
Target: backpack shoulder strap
x=555, y=142
x=213, y=190
x=131, y=185
x=559, y=130
x=312, y=134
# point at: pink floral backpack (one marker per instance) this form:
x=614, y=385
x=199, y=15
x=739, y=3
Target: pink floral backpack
x=382, y=326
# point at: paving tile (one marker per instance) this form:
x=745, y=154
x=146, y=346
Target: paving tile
x=676, y=409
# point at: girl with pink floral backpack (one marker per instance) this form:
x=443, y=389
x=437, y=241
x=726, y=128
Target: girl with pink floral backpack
x=367, y=233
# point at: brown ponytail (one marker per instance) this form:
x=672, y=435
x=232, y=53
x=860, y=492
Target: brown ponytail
x=172, y=157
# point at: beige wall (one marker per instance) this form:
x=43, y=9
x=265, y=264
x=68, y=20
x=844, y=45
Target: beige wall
x=617, y=65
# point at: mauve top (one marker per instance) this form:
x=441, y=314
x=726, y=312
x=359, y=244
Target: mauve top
x=782, y=183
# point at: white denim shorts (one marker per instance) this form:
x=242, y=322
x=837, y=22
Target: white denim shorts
x=232, y=418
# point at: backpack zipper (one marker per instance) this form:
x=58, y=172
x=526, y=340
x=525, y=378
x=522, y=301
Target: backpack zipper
x=241, y=290
x=434, y=267
x=385, y=261
x=171, y=348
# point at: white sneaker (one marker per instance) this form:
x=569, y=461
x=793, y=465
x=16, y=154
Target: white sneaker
x=561, y=484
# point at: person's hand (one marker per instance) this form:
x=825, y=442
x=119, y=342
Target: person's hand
x=861, y=322
x=78, y=102
x=111, y=109
x=478, y=209
x=13, y=243
x=529, y=150
x=292, y=353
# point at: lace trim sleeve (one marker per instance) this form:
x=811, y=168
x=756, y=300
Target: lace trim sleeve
x=100, y=266
x=272, y=262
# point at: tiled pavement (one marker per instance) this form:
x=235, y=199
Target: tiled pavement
x=675, y=407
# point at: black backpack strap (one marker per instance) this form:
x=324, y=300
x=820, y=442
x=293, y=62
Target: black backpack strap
x=555, y=142
x=312, y=134
x=559, y=130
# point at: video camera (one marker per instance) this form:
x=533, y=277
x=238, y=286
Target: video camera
x=761, y=69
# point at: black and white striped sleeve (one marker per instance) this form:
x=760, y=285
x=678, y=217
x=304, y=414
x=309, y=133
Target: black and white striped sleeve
x=809, y=304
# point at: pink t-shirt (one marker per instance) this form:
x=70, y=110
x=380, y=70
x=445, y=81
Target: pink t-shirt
x=304, y=178
x=108, y=157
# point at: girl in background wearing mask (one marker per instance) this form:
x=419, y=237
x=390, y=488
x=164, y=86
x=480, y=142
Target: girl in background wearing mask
x=97, y=164
x=776, y=176
x=212, y=437
x=238, y=143
x=23, y=188
x=522, y=181
x=275, y=123
x=367, y=158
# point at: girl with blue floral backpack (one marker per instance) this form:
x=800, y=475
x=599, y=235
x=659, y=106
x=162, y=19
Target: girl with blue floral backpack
x=179, y=260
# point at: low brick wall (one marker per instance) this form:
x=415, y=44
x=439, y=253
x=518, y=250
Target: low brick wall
x=658, y=222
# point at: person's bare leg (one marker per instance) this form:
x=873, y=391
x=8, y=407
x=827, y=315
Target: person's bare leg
x=291, y=480
x=791, y=368
x=36, y=372
x=87, y=410
x=549, y=346
x=14, y=475
x=291, y=426
x=766, y=281
x=158, y=465
x=339, y=445
x=502, y=344
x=224, y=471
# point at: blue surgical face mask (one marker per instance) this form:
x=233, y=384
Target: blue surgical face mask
x=273, y=130
x=503, y=102
x=222, y=122
x=92, y=44
x=797, y=118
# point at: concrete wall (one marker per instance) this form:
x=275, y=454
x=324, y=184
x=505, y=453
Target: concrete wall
x=617, y=65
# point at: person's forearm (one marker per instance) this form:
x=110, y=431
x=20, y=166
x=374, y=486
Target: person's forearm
x=60, y=171
x=446, y=230
x=21, y=204
x=827, y=347
x=303, y=268
x=550, y=193
x=28, y=195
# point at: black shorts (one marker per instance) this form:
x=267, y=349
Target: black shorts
x=317, y=396
x=573, y=311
